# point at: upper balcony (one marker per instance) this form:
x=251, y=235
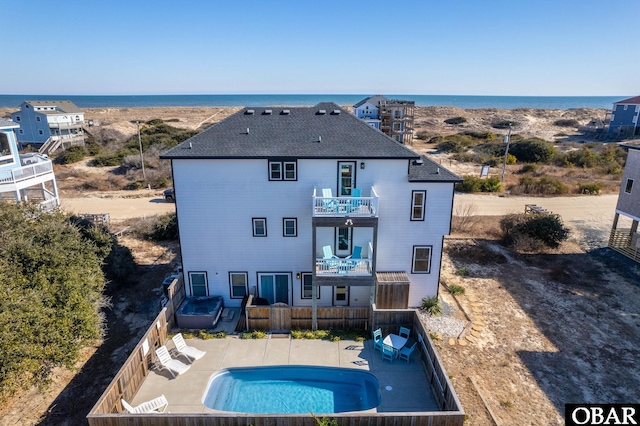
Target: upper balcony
x=326, y=205
x=35, y=169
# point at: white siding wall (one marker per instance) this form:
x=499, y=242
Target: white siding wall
x=216, y=200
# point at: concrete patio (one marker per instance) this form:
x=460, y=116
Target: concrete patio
x=403, y=386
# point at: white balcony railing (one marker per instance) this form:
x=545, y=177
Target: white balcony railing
x=20, y=174
x=343, y=267
x=345, y=206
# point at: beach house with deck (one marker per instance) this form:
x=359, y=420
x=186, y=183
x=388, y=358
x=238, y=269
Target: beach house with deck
x=26, y=177
x=49, y=125
x=624, y=118
x=309, y=206
x=625, y=237
x=393, y=117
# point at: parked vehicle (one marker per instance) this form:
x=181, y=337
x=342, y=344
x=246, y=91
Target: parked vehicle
x=169, y=195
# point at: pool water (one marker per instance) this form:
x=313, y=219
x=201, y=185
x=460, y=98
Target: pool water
x=292, y=390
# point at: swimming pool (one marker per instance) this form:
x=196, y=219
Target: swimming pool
x=292, y=389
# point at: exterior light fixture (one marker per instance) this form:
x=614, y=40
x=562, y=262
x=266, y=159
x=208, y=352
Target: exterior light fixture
x=298, y=276
x=362, y=166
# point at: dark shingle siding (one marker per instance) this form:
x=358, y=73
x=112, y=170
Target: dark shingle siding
x=430, y=171
x=303, y=133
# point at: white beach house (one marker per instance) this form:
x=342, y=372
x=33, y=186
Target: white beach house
x=27, y=177
x=309, y=206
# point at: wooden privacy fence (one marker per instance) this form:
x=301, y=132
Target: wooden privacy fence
x=284, y=318
x=133, y=372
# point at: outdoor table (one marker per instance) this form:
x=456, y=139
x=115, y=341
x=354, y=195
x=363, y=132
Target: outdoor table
x=395, y=341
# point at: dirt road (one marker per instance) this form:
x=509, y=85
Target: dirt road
x=594, y=208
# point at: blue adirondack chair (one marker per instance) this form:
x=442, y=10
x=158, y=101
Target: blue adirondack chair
x=357, y=254
x=328, y=255
x=328, y=203
x=355, y=204
x=388, y=352
x=377, y=340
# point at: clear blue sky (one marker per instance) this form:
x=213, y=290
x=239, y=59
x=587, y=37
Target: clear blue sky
x=464, y=47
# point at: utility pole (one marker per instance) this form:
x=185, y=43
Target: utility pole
x=506, y=152
x=141, y=158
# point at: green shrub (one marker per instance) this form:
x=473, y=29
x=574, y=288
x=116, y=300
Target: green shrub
x=456, y=289
x=455, y=120
x=532, y=151
x=423, y=136
x=489, y=136
x=511, y=159
x=52, y=283
x=543, y=186
x=491, y=184
x=256, y=334
x=546, y=229
x=136, y=184
x=431, y=305
x=567, y=123
x=155, y=122
x=451, y=146
x=529, y=168
x=469, y=184
x=463, y=272
x=93, y=148
x=165, y=228
x=73, y=154
x=333, y=335
x=589, y=188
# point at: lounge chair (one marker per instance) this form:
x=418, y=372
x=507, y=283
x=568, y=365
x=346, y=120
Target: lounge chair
x=388, y=352
x=157, y=405
x=165, y=361
x=327, y=255
x=404, y=332
x=405, y=353
x=355, y=204
x=183, y=349
x=377, y=340
x=328, y=202
x=357, y=254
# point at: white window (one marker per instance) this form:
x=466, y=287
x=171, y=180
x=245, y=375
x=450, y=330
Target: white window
x=418, y=199
x=238, y=284
x=283, y=170
x=41, y=132
x=290, y=227
x=629, y=187
x=259, y=227
x=17, y=118
x=21, y=132
x=37, y=118
x=307, y=288
x=625, y=107
x=396, y=127
x=421, y=260
x=198, y=282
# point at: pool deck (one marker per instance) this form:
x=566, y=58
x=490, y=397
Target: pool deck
x=403, y=386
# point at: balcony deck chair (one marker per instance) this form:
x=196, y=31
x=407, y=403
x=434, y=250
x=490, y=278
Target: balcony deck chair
x=355, y=204
x=165, y=361
x=189, y=352
x=388, y=352
x=156, y=405
x=404, y=332
x=406, y=351
x=328, y=204
x=377, y=340
x=328, y=254
x=357, y=254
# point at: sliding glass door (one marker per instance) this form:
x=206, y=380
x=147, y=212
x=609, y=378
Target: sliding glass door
x=274, y=287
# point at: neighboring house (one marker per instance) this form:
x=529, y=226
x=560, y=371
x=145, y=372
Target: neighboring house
x=393, y=117
x=627, y=240
x=624, y=118
x=49, y=125
x=274, y=201
x=27, y=177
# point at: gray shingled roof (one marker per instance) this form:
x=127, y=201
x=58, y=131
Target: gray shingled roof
x=6, y=122
x=430, y=171
x=63, y=106
x=373, y=100
x=302, y=133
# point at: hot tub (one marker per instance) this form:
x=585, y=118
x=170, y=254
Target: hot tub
x=199, y=312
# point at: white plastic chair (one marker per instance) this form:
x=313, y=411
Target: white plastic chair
x=157, y=405
x=165, y=361
x=189, y=352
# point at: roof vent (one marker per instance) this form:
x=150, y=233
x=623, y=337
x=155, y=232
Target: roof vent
x=336, y=112
x=249, y=112
x=267, y=112
x=419, y=161
x=438, y=170
x=247, y=130
x=286, y=112
x=319, y=138
x=322, y=112
x=190, y=145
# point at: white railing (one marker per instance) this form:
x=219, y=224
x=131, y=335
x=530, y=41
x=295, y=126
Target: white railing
x=345, y=206
x=344, y=267
x=23, y=173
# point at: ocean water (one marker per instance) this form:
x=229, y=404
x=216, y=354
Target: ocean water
x=462, y=101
